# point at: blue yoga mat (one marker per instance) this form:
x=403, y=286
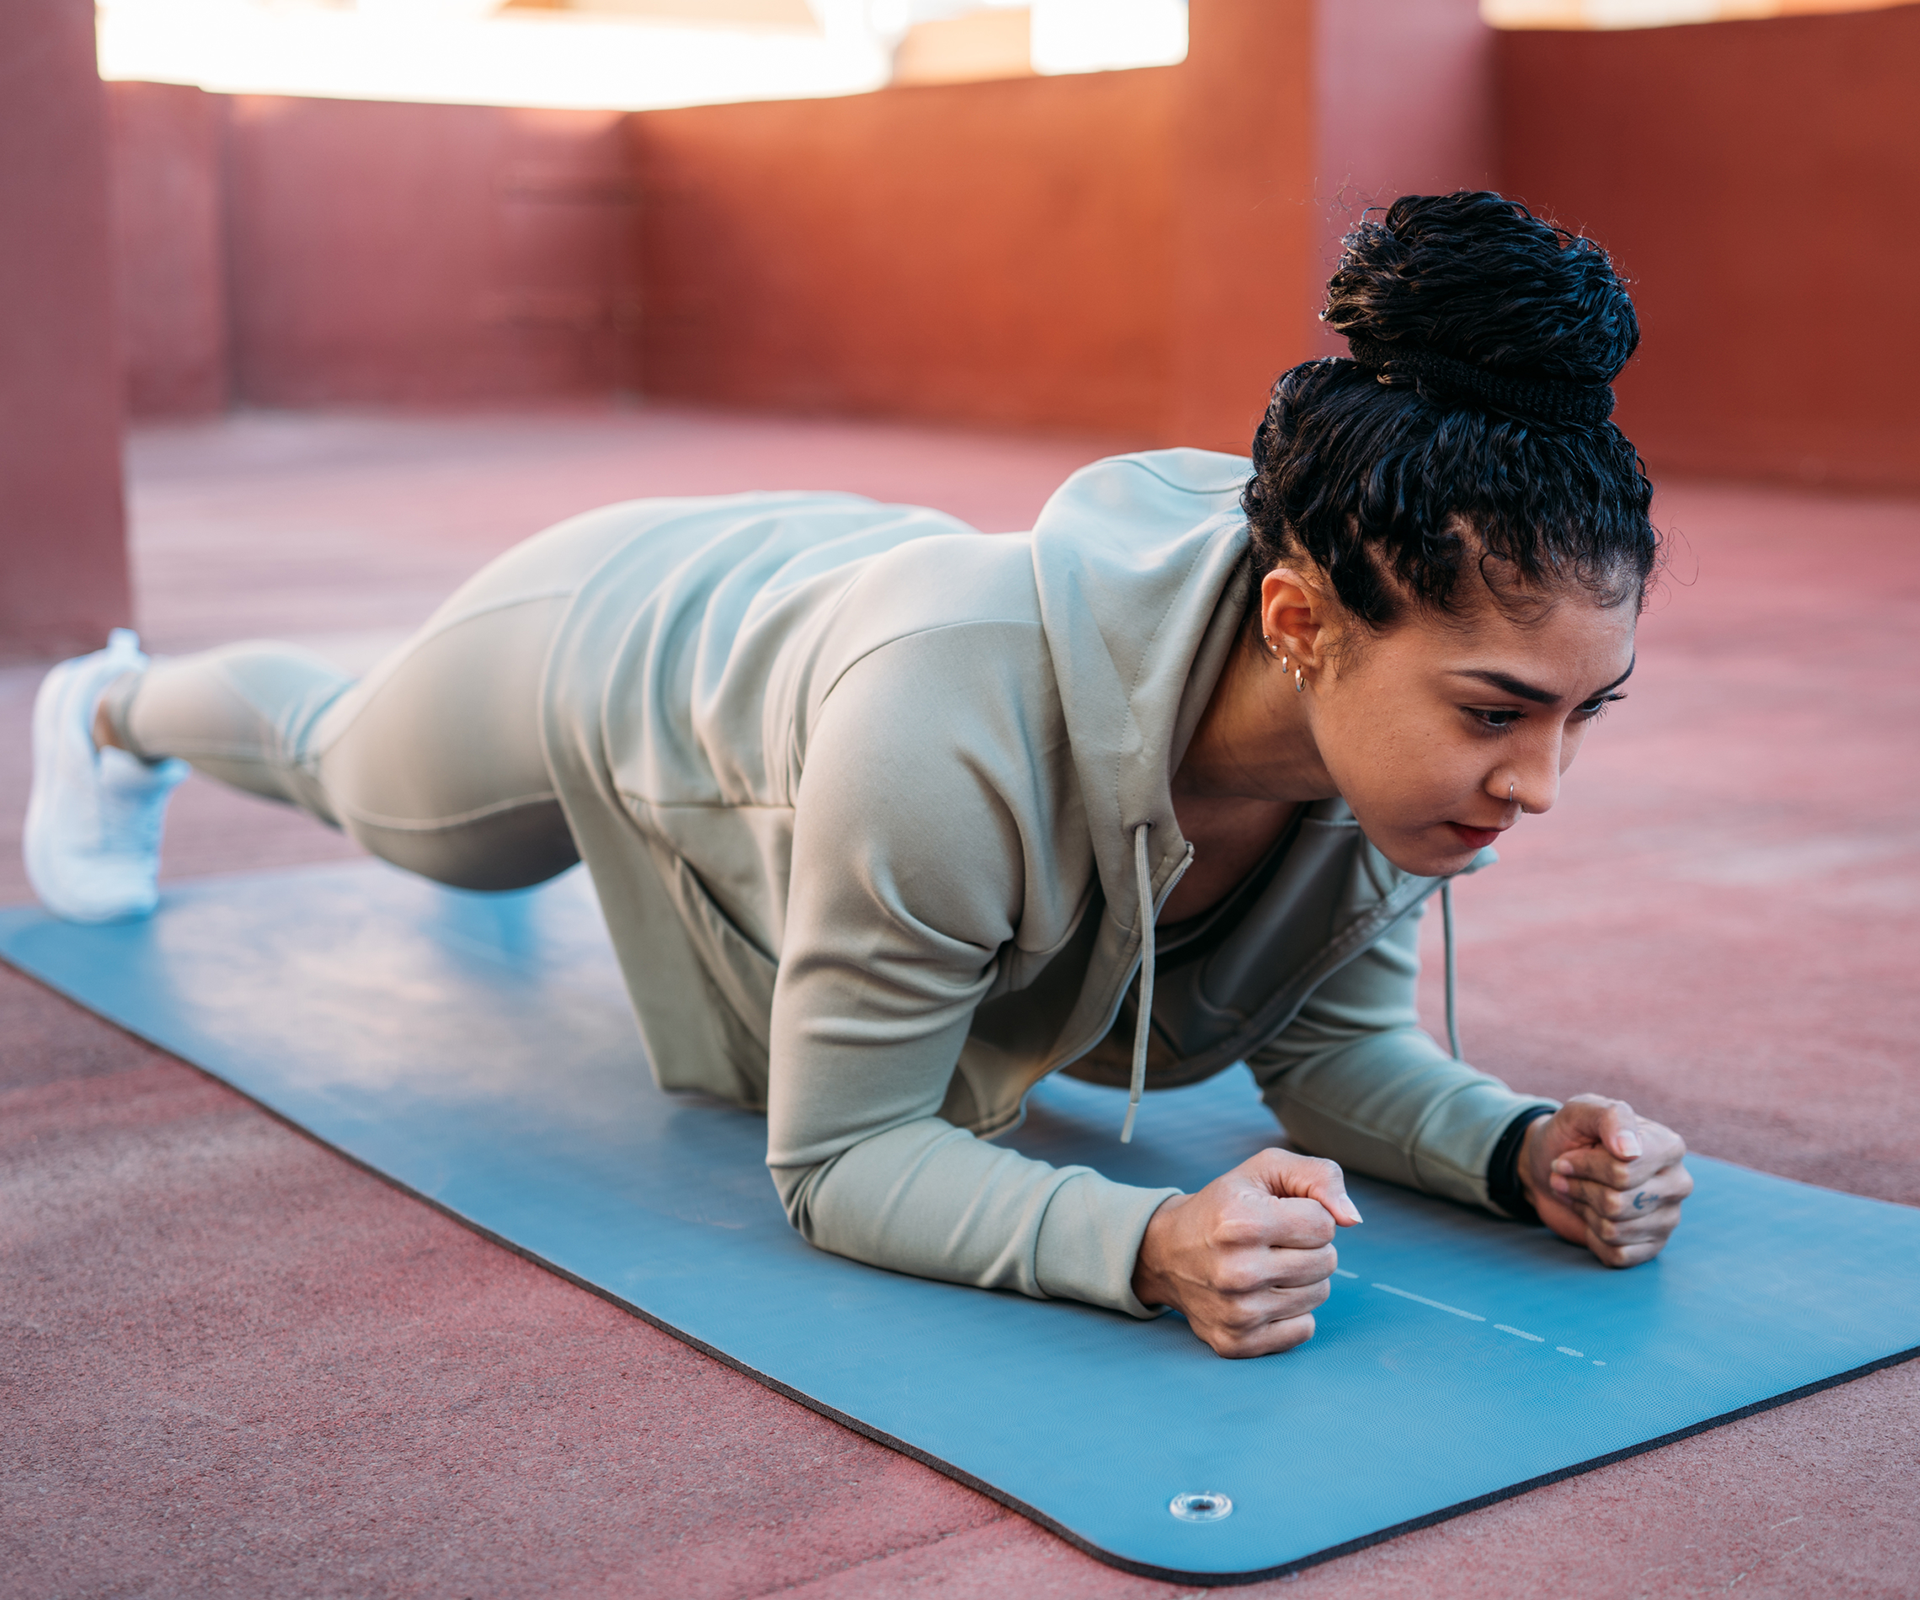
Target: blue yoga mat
x=478, y=1049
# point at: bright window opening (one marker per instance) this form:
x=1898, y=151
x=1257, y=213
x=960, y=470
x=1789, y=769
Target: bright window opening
x=621, y=54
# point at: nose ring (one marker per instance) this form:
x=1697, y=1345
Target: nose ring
x=1509, y=791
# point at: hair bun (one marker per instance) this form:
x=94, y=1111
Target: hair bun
x=1478, y=278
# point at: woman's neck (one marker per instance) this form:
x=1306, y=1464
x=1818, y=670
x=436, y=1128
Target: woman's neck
x=1251, y=766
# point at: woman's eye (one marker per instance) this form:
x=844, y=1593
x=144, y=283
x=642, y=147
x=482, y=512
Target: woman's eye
x=1498, y=717
x=1587, y=710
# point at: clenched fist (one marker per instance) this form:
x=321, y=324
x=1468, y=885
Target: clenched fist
x=1248, y=1258
x=1606, y=1178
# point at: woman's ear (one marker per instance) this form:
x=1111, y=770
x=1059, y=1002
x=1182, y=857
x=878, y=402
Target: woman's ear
x=1296, y=618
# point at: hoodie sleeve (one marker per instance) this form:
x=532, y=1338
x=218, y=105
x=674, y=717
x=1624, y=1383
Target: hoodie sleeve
x=1355, y=1078
x=916, y=824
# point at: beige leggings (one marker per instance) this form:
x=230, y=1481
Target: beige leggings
x=434, y=761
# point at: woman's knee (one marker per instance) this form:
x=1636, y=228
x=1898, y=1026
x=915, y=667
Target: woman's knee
x=510, y=849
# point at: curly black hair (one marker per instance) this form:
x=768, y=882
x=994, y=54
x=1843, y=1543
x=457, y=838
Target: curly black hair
x=1394, y=477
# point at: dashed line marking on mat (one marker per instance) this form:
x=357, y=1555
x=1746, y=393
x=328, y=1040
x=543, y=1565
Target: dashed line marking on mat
x=1470, y=1316
x=1438, y=1305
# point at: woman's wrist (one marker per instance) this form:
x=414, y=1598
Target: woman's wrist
x=1529, y=1170
x=1151, y=1284
x=1512, y=1184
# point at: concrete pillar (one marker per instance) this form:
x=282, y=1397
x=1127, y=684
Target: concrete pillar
x=63, y=555
x=1296, y=115
x=1243, y=222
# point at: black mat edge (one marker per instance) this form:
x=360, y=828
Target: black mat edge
x=1144, y=1569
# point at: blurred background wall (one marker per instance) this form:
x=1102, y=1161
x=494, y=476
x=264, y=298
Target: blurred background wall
x=1130, y=252
x=63, y=564
x=287, y=251
x=1134, y=254
x=1759, y=181
x=985, y=252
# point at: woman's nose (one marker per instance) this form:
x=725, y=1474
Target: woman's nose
x=1532, y=784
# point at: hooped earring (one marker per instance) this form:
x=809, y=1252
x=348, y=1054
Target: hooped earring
x=1299, y=677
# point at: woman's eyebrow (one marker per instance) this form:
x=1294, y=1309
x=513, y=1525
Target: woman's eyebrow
x=1507, y=684
x=1619, y=680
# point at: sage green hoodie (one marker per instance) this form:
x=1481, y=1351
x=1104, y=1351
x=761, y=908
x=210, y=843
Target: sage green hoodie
x=878, y=812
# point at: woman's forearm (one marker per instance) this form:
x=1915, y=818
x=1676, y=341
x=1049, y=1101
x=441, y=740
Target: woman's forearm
x=930, y=1199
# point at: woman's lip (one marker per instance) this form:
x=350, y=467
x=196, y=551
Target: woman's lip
x=1478, y=838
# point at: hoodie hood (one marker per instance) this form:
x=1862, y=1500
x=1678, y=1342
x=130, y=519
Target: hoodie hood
x=1137, y=561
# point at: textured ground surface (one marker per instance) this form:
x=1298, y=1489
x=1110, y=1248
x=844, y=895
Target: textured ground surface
x=231, y=1363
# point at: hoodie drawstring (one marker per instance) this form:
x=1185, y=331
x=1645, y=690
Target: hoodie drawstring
x=1446, y=926
x=1143, y=1021
x=1143, y=874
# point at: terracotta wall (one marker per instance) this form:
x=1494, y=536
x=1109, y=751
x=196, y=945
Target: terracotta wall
x=1133, y=253
x=1246, y=219
x=1403, y=93
x=1295, y=116
x=1140, y=254
x=63, y=570
x=169, y=242
x=289, y=252
x=990, y=252
x=407, y=253
x=1761, y=183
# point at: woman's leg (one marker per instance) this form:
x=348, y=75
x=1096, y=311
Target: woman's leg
x=434, y=761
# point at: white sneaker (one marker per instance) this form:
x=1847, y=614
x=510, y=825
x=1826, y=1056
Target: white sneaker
x=92, y=840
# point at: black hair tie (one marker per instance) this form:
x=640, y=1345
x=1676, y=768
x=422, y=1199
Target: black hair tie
x=1444, y=380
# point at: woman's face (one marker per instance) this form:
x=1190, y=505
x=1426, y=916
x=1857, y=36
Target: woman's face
x=1441, y=733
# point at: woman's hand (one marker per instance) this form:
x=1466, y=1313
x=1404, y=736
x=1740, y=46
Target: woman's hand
x=1248, y=1258
x=1605, y=1178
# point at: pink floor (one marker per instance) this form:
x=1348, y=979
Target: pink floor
x=234, y=1364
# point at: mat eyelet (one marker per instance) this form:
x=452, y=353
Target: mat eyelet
x=1205, y=1506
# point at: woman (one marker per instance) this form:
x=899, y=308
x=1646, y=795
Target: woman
x=889, y=820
